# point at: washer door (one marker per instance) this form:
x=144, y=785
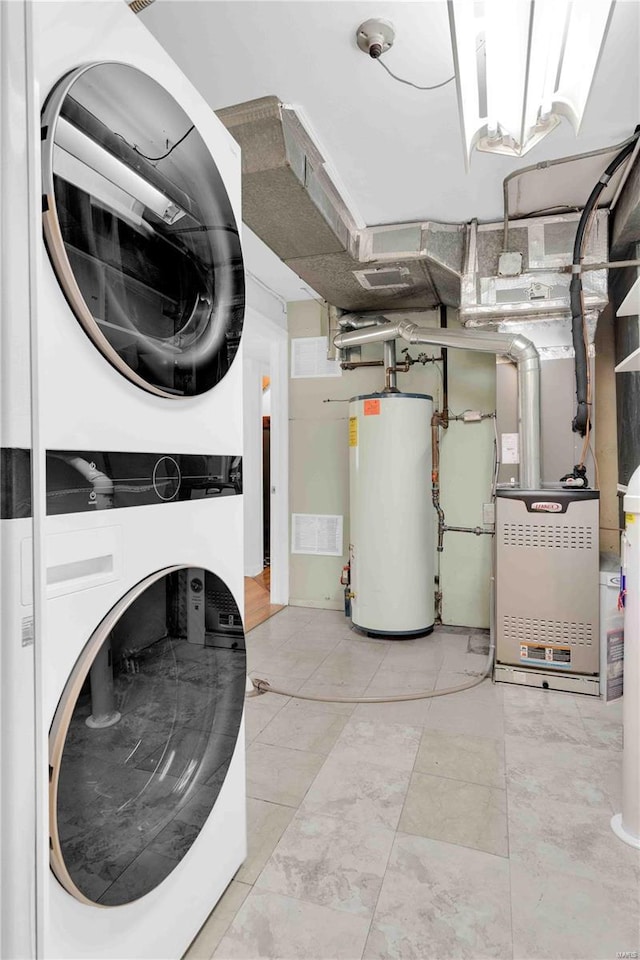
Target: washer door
x=143, y=735
x=140, y=230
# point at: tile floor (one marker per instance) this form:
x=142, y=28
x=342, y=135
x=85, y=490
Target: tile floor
x=476, y=825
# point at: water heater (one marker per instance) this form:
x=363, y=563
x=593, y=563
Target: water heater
x=391, y=514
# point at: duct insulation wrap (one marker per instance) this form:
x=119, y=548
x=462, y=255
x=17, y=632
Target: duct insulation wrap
x=392, y=516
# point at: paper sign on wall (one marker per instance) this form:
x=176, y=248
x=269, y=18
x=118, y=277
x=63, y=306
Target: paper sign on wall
x=309, y=359
x=510, y=448
x=319, y=534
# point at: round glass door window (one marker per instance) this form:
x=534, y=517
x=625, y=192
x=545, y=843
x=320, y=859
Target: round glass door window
x=140, y=230
x=144, y=735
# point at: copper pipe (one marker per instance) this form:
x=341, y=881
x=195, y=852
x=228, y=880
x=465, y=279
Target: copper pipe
x=390, y=375
x=346, y=365
x=435, y=476
x=435, y=448
x=479, y=531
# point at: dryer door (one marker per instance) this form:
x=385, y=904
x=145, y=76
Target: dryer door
x=144, y=735
x=140, y=230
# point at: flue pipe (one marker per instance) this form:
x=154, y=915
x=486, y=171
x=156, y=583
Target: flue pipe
x=514, y=346
x=351, y=321
x=390, y=380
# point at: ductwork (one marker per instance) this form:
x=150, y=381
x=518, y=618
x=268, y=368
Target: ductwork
x=291, y=202
x=514, y=346
x=626, y=221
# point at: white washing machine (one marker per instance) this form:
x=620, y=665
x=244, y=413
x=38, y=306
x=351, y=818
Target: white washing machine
x=146, y=695
x=136, y=677
x=143, y=707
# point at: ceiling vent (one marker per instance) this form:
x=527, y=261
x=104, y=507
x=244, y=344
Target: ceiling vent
x=383, y=278
x=291, y=202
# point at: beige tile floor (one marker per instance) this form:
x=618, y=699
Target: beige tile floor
x=470, y=826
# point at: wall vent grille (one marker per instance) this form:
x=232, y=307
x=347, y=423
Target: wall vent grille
x=547, y=536
x=534, y=630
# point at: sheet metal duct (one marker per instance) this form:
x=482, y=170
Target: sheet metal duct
x=625, y=230
x=627, y=339
x=515, y=347
x=291, y=203
x=535, y=287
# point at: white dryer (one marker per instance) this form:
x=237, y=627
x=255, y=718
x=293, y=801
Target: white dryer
x=139, y=304
x=141, y=288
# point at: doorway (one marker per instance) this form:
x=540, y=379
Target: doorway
x=265, y=469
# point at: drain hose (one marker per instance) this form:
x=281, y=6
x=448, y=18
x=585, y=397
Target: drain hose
x=263, y=686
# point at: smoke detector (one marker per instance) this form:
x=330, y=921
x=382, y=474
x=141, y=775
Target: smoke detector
x=139, y=5
x=375, y=36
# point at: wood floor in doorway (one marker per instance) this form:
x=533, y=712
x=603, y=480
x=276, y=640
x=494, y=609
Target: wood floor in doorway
x=257, y=600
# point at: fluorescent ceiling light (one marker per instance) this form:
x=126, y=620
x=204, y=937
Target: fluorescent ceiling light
x=520, y=65
x=82, y=148
x=74, y=171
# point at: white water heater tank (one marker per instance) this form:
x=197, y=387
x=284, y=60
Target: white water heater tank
x=391, y=514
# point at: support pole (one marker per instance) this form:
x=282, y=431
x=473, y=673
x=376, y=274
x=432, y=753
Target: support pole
x=103, y=699
x=390, y=381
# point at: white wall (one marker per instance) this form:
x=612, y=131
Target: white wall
x=466, y=473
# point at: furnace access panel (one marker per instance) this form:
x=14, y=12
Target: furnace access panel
x=547, y=593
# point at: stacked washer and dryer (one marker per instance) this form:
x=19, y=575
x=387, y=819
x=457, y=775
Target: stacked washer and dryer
x=123, y=516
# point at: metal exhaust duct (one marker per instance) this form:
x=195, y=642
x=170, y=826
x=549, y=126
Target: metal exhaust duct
x=514, y=346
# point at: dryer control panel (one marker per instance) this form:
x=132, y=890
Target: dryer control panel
x=82, y=481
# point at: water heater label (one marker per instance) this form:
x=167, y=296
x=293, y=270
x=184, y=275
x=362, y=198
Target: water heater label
x=371, y=408
x=353, y=431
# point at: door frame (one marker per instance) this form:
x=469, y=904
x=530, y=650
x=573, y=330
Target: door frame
x=265, y=347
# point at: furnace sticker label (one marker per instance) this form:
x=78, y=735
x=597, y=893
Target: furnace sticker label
x=353, y=431
x=540, y=653
x=372, y=408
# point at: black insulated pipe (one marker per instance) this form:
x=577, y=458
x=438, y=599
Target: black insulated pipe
x=445, y=370
x=581, y=419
